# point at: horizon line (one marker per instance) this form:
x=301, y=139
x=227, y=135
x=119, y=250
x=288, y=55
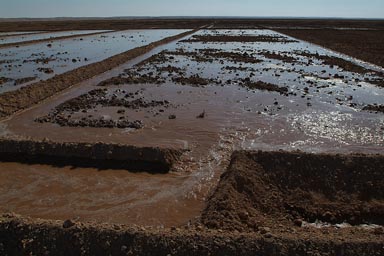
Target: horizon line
x=194, y=16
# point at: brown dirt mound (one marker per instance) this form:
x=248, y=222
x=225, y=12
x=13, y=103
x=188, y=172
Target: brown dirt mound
x=280, y=187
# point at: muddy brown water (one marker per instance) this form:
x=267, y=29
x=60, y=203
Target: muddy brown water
x=235, y=118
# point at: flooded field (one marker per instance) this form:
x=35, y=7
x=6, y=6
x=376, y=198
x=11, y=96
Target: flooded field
x=208, y=94
x=23, y=65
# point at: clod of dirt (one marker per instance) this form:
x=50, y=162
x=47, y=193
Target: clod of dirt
x=201, y=115
x=45, y=70
x=68, y=224
x=374, y=108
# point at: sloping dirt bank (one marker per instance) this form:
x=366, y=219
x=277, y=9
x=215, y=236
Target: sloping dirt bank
x=11, y=102
x=98, y=155
x=259, y=186
x=22, y=236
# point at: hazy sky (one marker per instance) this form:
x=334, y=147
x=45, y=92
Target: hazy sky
x=106, y=8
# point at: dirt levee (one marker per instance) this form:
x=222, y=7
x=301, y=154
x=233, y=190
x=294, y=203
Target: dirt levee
x=22, y=236
x=84, y=154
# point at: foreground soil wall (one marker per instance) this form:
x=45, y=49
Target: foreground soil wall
x=20, y=236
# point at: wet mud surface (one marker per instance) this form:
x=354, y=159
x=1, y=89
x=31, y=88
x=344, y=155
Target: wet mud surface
x=213, y=92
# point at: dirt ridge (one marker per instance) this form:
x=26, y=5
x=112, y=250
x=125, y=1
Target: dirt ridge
x=100, y=155
x=24, y=236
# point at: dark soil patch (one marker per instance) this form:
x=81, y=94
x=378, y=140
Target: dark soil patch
x=4, y=80
x=374, y=108
x=335, y=61
x=362, y=44
x=45, y=70
x=231, y=56
x=259, y=85
x=242, y=39
x=24, y=80
x=18, y=81
x=278, y=56
x=279, y=188
x=62, y=114
x=378, y=82
x=194, y=80
x=40, y=60
x=132, y=78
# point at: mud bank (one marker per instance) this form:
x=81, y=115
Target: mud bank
x=11, y=102
x=275, y=187
x=98, y=155
x=23, y=236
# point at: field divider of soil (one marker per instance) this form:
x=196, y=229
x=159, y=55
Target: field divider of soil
x=25, y=97
x=51, y=39
x=98, y=155
x=25, y=236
